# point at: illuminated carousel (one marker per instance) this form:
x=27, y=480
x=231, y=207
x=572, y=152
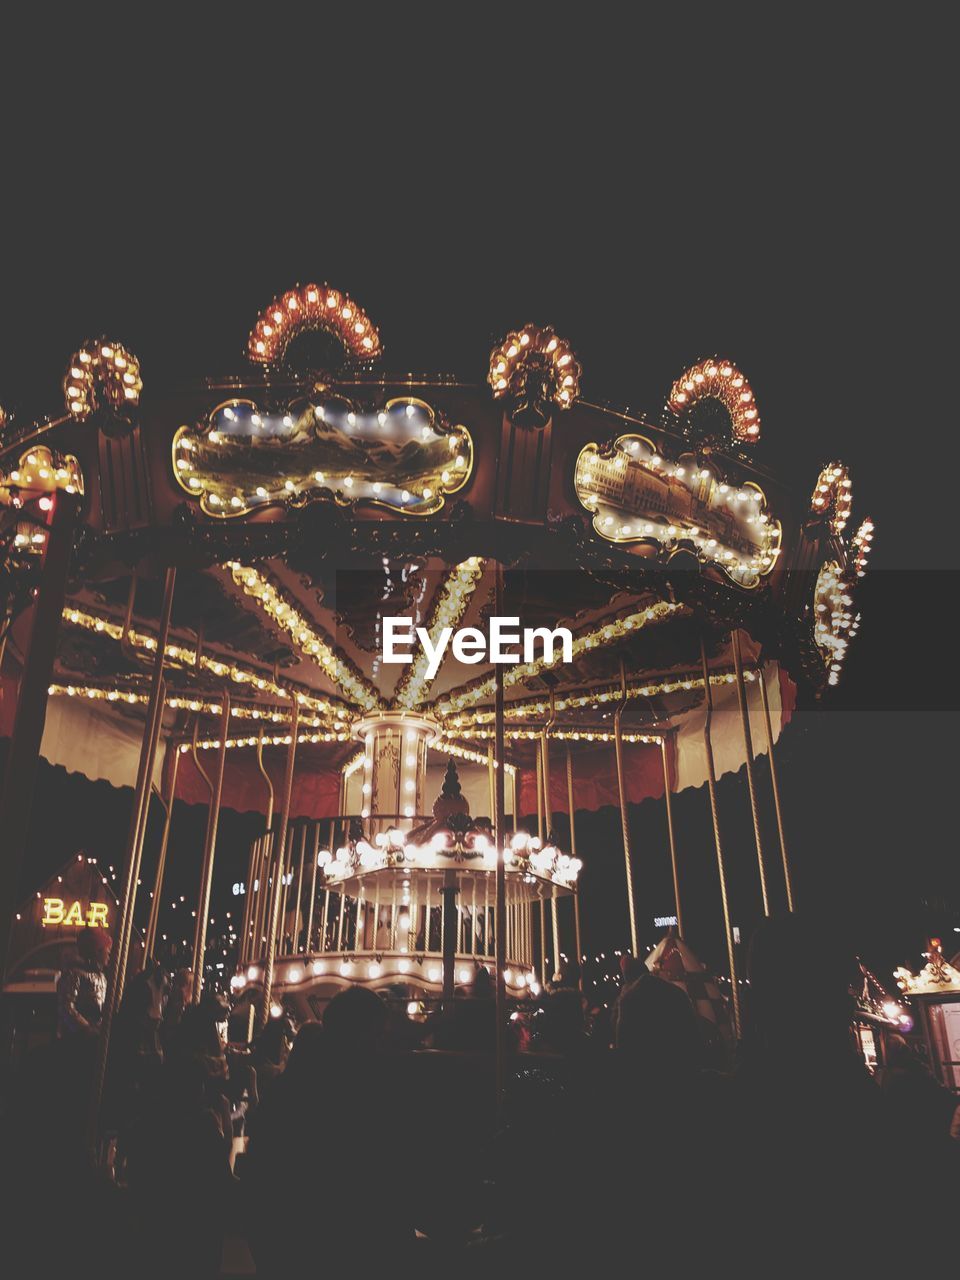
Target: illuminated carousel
x=196, y=579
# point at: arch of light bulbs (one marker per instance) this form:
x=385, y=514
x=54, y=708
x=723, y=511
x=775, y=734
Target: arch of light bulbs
x=861, y=544
x=312, y=307
x=833, y=496
x=101, y=368
x=534, y=347
x=721, y=380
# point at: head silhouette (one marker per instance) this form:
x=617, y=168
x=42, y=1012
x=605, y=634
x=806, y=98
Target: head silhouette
x=797, y=969
x=657, y=1028
x=354, y=1021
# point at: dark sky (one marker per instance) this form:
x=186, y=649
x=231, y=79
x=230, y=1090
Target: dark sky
x=777, y=196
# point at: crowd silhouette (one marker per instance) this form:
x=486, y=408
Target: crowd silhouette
x=365, y=1141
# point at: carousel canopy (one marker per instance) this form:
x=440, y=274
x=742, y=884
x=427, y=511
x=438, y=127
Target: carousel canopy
x=311, y=495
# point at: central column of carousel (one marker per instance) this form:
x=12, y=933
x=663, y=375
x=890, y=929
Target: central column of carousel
x=423, y=895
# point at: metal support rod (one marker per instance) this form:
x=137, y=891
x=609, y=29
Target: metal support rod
x=264, y=876
x=24, y=753
x=298, y=901
x=151, y=939
x=313, y=888
x=668, y=803
x=548, y=822
x=500, y=829
x=131, y=859
x=573, y=854
x=124, y=931
x=253, y=900
x=281, y=844
x=252, y=863
x=540, y=790
x=751, y=782
x=286, y=879
x=209, y=853
x=624, y=822
x=776, y=789
x=715, y=815
x=448, y=941
x=141, y=806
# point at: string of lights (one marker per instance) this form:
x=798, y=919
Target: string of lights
x=447, y=610
x=607, y=633
x=314, y=645
x=186, y=656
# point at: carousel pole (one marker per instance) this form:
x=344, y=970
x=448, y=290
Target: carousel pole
x=548, y=815
x=668, y=801
x=543, y=915
x=264, y=878
x=312, y=891
x=141, y=805
x=253, y=866
x=573, y=854
x=715, y=815
x=540, y=789
x=500, y=828
x=209, y=853
x=448, y=938
x=21, y=772
x=286, y=881
x=776, y=789
x=624, y=822
x=287, y=795
x=751, y=782
x=124, y=937
x=151, y=938
x=298, y=902
x=326, y=902
x=131, y=860
x=491, y=785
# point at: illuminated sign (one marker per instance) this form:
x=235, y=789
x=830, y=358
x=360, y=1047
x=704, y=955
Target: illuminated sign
x=56, y=912
x=637, y=496
x=664, y=922
x=403, y=456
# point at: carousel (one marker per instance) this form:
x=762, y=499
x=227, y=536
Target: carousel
x=200, y=583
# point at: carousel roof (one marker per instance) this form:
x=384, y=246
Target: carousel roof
x=311, y=495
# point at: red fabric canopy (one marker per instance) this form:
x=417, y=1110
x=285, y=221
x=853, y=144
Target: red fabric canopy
x=595, y=777
x=316, y=792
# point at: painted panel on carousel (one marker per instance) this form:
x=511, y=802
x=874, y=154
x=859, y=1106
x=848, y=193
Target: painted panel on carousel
x=637, y=496
x=403, y=456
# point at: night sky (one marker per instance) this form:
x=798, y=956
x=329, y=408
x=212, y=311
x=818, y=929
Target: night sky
x=784, y=207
